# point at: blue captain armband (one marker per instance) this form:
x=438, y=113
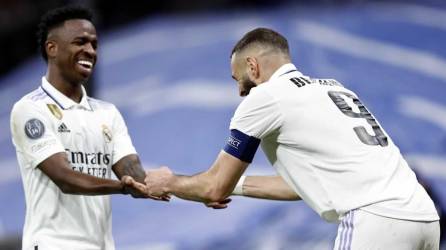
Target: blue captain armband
x=241, y=146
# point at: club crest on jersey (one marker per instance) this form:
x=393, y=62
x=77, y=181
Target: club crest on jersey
x=107, y=133
x=34, y=128
x=55, y=111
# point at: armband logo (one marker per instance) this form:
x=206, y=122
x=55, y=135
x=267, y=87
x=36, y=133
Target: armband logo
x=107, y=133
x=34, y=128
x=55, y=111
x=234, y=142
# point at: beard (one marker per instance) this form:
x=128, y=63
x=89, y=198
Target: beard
x=246, y=86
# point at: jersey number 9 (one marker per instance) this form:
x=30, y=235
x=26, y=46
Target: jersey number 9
x=379, y=138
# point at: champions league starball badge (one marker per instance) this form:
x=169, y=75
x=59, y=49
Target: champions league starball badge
x=34, y=128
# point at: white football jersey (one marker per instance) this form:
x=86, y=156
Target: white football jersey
x=329, y=148
x=94, y=136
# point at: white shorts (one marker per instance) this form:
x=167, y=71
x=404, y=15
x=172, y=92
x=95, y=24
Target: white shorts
x=361, y=230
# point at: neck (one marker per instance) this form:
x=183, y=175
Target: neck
x=271, y=65
x=69, y=89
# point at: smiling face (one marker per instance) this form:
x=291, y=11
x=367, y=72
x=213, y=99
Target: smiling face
x=71, y=50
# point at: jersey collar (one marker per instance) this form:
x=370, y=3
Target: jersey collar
x=285, y=69
x=63, y=101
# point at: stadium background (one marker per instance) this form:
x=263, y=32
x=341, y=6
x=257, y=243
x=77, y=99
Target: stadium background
x=165, y=64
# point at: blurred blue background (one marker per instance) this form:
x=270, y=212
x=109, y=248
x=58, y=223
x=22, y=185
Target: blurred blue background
x=169, y=74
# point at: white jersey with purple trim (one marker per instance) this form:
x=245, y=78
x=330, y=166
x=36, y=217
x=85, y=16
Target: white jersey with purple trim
x=94, y=136
x=328, y=147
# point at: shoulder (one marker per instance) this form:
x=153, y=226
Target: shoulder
x=104, y=108
x=30, y=101
x=257, y=95
x=29, y=112
x=263, y=93
x=97, y=104
x=259, y=100
x=35, y=96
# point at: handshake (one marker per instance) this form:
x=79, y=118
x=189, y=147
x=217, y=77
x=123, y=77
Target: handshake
x=157, y=185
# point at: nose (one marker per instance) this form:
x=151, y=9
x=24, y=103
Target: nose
x=89, y=49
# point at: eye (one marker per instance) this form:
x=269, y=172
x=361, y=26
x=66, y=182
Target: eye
x=79, y=41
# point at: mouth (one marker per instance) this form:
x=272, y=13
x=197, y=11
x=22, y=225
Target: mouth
x=85, y=65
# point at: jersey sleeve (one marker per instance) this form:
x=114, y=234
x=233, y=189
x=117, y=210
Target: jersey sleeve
x=123, y=145
x=33, y=133
x=256, y=117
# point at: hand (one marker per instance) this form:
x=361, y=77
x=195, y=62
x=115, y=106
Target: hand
x=218, y=204
x=157, y=181
x=138, y=190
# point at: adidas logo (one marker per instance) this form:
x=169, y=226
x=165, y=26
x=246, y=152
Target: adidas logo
x=63, y=128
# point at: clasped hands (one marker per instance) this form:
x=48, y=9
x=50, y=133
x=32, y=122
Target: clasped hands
x=156, y=183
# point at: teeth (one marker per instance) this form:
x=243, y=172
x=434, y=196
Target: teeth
x=86, y=63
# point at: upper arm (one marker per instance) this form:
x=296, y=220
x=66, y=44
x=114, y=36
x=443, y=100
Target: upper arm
x=258, y=115
x=255, y=117
x=122, y=143
x=33, y=133
x=125, y=159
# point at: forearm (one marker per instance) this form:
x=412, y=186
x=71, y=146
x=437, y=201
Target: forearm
x=199, y=187
x=84, y=184
x=213, y=185
x=58, y=169
x=130, y=165
x=268, y=187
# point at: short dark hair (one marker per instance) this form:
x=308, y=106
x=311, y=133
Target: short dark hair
x=56, y=17
x=262, y=36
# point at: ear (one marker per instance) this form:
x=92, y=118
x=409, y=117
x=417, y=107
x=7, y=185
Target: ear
x=252, y=67
x=51, y=48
